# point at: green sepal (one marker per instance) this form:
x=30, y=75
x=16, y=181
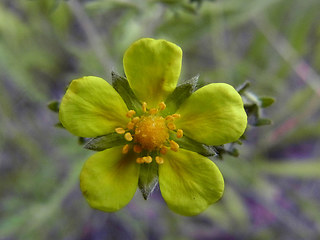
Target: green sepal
x=104, y=142
x=262, y=122
x=54, y=106
x=266, y=101
x=148, y=178
x=121, y=85
x=194, y=146
x=181, y=93
x=59, y=125
x=243, y=87
x=81, y=140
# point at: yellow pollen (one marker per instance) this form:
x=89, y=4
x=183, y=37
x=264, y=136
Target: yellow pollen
x=144, y=107
x=163, y=150
x=147, y=159
x=137, y=148
x=176, y=115
x=151, y=132
x=162, y=106
x=131, y=113
x=159, y=160
x=169, y=118
x=135, y=120
x=130, y=125
x=153, y=111
x=120, y=130
x=139, y=160
x=174, y=146
x=125, y=149
x=128, y=136
x=171, y=126
x=179, y=133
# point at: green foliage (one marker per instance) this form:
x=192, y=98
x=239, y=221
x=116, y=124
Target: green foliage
x=271, y=188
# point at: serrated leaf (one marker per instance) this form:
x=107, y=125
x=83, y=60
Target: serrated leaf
x=121, y=85
x=266, y=101
x=54, y=106
x=181, y=93
x=104, y=142
x=148, y=179
x=192, y=145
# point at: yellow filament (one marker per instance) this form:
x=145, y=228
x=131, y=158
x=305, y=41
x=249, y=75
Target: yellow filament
x=174, y=146
x=179, y=133
x=162, y=106
x=144, y=107
x=159, y=160
x=128, y=136
x=131, y=113
x=120, y=130
x=125, y=149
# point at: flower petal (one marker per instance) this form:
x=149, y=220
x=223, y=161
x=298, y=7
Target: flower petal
x=152, y=68
x=189, y=182
x=213, y=115
x=109, y=179
x=91, y=108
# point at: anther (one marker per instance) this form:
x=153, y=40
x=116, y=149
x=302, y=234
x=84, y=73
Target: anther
x=128, y=137
x=139, y=160
x=144, y=107
x=135, y=120
x=153, y=111
x=125, y=149
x=174, y=146
x=137, y=148
x=176, y=115
x=169, y=118
x=163, y=150
x=159, y=160
x=171, y=126
x=179, y=133
x=130, y=125
x=147, y=159
x=120, y=130
x=162, y=106
x=131, y=113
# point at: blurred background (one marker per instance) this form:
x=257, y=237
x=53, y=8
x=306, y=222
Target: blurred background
x=273, y=187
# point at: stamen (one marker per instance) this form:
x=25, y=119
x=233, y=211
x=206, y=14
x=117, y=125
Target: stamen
x=179, y=133
x=137, y=148
x=125, y=149
x=144, y=107
x=131, y=113
x=130, y=125
x=159, y=160
x=147, y=159
x=171, y=126
x=169, y=118
x=128, y=137
x=120, y=130
x=135, y=120
x=162, y=106
x=176, y=115
x=163, y=150
x=153, y=111
x=139, y=160
x=174, y=146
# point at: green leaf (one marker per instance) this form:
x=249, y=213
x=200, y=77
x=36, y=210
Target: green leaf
x=262, y=122
x=54, y=106
x=148, y=179
x=121, y=85
x=194, y=146
x=107, y=141
x=181, y=93
x=59, y=125
x=266, y=101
